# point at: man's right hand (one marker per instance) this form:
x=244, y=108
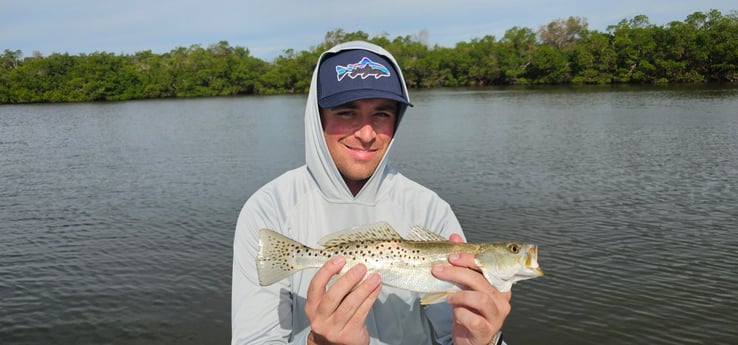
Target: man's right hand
x=337, y=314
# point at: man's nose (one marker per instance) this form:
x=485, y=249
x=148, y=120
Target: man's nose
x=366, y=132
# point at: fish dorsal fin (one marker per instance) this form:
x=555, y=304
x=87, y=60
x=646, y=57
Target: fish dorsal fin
x=421, y=234
x=381, y=231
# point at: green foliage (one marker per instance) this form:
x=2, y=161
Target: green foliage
x=702, y=48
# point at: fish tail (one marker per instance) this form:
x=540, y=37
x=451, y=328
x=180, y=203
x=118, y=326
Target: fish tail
x=276, y=258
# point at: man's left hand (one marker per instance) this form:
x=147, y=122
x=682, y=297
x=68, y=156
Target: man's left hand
x=479, y=310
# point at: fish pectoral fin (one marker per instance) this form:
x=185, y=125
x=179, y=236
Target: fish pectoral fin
x=433, y=298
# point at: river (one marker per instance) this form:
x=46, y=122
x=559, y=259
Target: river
x=117, y=219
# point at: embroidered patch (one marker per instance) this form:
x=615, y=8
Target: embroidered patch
x=365, y=68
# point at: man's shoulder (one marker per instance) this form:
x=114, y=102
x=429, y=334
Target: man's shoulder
x=286, y=182
x=403, y=186
x=278, y=195
x=420, y=205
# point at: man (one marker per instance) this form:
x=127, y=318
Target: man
x=356, y=102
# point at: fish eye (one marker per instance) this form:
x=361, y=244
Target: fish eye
x=514, y=248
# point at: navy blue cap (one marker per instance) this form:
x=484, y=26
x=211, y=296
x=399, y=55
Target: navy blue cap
x=351, y=75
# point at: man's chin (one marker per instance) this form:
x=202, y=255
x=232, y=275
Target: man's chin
x=356, y=178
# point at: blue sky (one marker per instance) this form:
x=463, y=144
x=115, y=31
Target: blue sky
x=269, y=27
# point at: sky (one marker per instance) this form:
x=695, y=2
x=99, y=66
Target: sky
x=269, y=27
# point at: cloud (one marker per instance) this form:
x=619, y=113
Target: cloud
x=268, y=27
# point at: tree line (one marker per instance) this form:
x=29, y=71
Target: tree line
x=701, y=48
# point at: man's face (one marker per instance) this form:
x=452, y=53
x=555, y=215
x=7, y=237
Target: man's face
x=358, y=134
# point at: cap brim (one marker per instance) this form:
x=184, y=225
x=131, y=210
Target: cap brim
x=355, y=95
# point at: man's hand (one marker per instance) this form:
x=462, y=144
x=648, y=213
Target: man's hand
x=479, y=310
x=337, y=314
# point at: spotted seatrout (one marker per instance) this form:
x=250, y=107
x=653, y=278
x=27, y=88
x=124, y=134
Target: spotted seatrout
x=401, y=262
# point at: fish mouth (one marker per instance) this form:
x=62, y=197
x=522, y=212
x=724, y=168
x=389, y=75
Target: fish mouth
x=538, y=271
x=531, y=261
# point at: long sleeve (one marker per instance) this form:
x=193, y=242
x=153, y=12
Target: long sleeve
x=254, y=317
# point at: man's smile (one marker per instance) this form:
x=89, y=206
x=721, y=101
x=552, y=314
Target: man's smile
x=360, y=152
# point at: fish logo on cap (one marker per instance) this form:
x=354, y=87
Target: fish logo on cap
x=365, y=68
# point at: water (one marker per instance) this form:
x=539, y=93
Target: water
x=116, y=219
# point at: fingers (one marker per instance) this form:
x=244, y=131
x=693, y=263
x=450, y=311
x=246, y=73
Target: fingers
x=493, y=305
x=338, y=291
x=481, y=315
x=507, y=295
x=344, y=299
x=456, y=238
x=360, y=302
x=317, y=287
x=463, y=260
x=462, y=273
x=337, y=314
x=479, y=310
x=471, y=328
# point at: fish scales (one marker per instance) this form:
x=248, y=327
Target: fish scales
x=402, y=263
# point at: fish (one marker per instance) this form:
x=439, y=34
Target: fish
x=403, y=263
x=365, y=68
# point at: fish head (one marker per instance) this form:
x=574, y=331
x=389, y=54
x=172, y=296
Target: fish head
x=505, y=263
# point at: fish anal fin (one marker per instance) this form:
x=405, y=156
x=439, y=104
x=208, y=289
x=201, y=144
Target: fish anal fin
x=381, y=231
x=432, y=298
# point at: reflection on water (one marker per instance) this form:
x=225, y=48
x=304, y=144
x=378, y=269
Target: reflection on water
x=117, y=219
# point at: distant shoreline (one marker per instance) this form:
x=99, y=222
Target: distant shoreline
x=701, y=49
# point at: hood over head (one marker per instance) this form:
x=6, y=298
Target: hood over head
x=347, y=72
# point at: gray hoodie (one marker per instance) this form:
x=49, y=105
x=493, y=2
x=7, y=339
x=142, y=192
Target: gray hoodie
x=312, y=201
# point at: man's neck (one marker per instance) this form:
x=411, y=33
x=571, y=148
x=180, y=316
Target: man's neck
x=355, y=186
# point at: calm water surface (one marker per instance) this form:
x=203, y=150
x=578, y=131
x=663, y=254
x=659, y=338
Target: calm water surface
x=116, y=219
